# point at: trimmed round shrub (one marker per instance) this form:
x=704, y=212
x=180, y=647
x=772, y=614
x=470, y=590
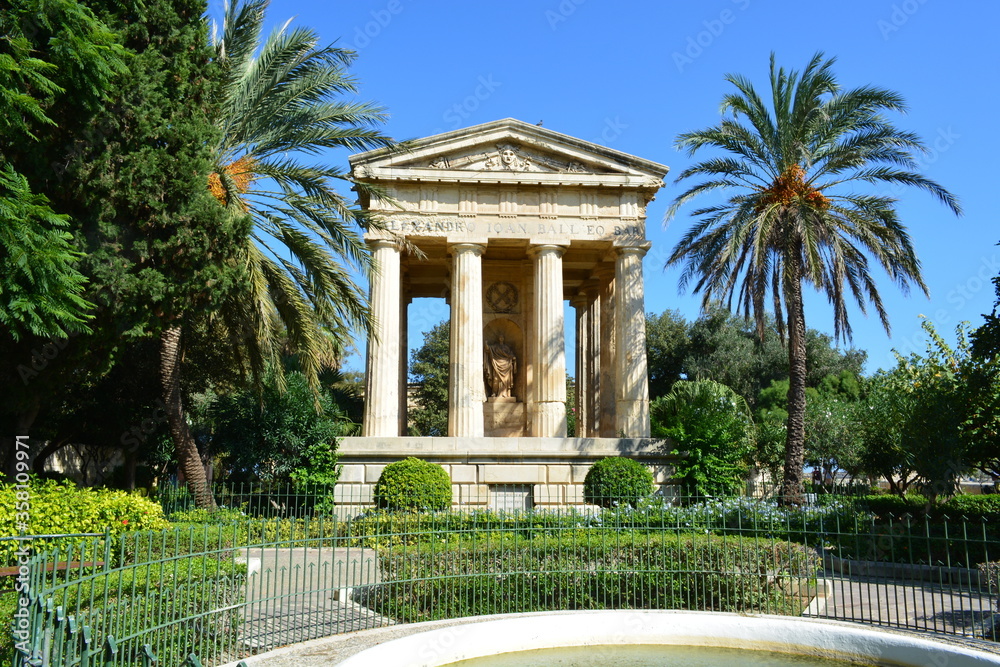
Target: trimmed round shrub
x=617, y=480
x=413, y=484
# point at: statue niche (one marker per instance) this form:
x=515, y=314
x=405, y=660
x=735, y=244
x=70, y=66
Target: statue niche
x=500, y=368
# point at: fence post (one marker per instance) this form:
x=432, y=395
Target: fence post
x=110, y=651
x=86, y=651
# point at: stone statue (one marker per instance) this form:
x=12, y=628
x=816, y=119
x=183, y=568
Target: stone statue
x=500, y=366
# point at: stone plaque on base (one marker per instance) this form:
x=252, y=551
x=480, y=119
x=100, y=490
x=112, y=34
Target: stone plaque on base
x=503, y=418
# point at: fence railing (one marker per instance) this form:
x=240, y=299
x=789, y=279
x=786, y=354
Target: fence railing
x=213, y=593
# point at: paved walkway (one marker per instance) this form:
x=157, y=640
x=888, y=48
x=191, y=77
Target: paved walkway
x=919, y=605
x=295, y=595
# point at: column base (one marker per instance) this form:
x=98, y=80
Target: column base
x=633, y=419
x=548, y=419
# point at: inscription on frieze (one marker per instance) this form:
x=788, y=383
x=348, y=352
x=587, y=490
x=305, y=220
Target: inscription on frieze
x=439, y=226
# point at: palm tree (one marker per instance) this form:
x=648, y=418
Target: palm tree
x=793, y=218
x=280, y=105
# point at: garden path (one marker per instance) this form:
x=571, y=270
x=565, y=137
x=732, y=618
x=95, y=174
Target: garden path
x=294, y=595
x=919, y=605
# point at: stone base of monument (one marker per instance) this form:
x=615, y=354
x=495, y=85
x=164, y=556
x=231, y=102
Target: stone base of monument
x=498, y=472
x=503, y=417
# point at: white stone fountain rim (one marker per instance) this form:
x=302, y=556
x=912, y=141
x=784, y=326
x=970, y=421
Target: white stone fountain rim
x=520, y=632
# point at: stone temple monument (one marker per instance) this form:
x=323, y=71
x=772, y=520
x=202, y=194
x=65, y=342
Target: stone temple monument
x=512, y=219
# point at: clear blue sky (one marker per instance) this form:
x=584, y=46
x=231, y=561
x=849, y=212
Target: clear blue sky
x=633, y=75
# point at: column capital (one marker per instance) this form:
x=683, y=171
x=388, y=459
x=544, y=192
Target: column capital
x=634, y=248
x=384, y=243
x=579, y=300
x=535, y=249
x=467, y=246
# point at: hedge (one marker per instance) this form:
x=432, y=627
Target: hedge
x=591, y=569
x=62, y=508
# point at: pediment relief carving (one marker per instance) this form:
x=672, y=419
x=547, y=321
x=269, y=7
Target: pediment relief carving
x=509, y=156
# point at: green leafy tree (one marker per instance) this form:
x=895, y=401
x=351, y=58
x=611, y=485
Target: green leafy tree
x=915, y=429
x=282, y=105
x=727, y=348
x=885, y=452
x=278, y=436
x=161, y=251
x=57, y=63
x=793, y=220
x=429, y=370
x=667, y=344
x=982, y=427
x=712, y=429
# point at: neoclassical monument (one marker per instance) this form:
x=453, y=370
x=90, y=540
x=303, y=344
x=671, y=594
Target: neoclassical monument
x=509, y=220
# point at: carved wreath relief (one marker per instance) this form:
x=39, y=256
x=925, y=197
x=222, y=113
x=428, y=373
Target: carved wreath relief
x=508, y=157
x=501, y=297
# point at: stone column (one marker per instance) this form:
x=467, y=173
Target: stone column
x=549, y=419
x=382, y=381
x=593, y=352
x=404, y=349
x=633, y=383
x=608, y=371
x=466, y=392
x=583, y=389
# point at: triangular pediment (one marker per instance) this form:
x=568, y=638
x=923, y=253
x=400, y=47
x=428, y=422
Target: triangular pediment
x=507, y=150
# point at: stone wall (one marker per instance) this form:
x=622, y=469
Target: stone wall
x=499, y=472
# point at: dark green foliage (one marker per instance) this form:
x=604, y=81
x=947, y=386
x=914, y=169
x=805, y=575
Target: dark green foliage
x=57, y=62
x=728, y=349
x=617, y=480
x=710, y=426
x=413, y=484
x=597, y=569
x=278, y=436
x=159, y=244
x=429, y=369
x=667, y=346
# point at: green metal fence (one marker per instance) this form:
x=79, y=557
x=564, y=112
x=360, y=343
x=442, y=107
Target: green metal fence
x=213, y=593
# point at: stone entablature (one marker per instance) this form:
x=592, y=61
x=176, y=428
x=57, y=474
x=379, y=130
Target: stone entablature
x=512, y=220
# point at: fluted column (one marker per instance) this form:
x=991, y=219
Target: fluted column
x=609, y=366
x=633, y=383
x=583, y=388
x=382, y=377
x=593, y=352
x=549, y=408
x=404, y=348
x=466, y=393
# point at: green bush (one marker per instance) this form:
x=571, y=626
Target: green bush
x=894, y=506
x=62, y=508
x=592, y=569
x=617, y=481
x=413, y=484
x=986, y=507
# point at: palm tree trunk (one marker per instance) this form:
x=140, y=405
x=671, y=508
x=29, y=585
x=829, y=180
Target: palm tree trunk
x=184, y=444
x=795, y=445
